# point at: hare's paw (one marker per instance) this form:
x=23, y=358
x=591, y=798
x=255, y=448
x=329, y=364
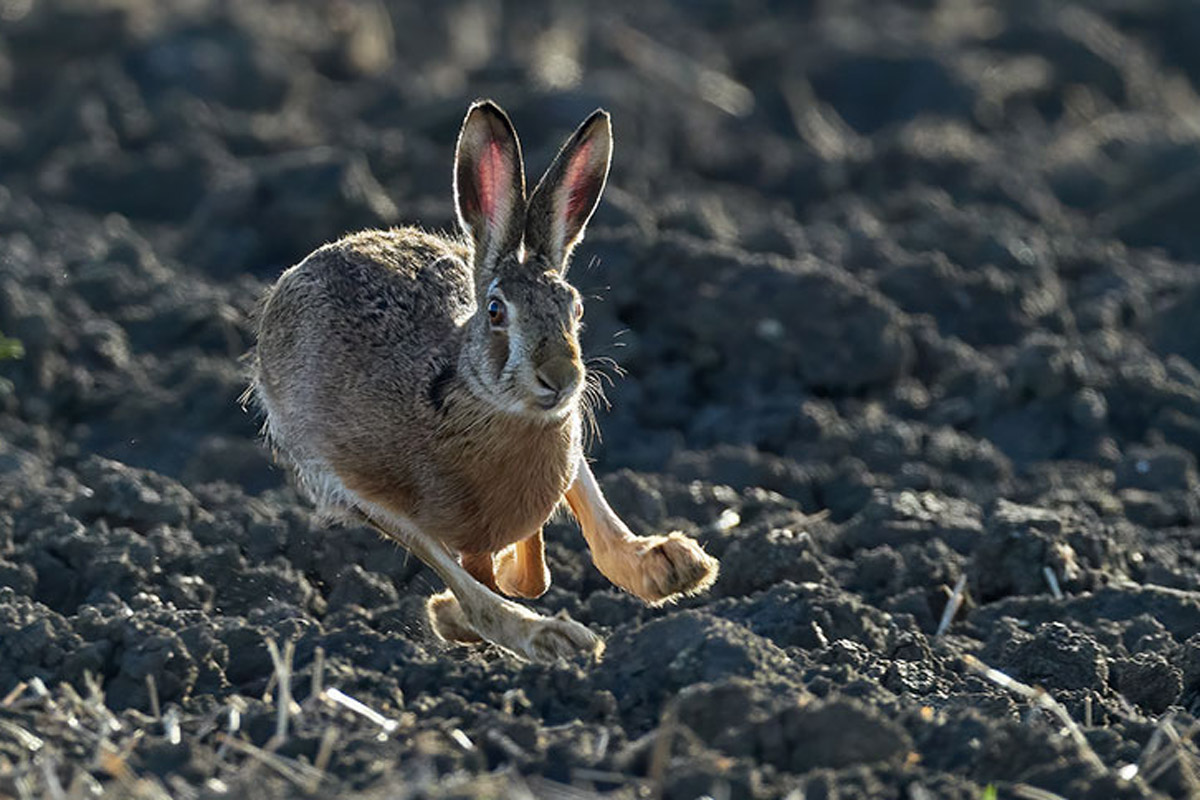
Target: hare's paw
x=448, y=621
x=526, y=634
x=552, y=639
x=672, y=566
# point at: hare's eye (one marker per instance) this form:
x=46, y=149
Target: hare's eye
x=495, y=311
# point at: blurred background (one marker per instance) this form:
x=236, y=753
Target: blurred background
x=833, y=229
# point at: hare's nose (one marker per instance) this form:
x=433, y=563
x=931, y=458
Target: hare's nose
x=558, y=376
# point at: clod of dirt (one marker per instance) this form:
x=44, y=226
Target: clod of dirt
x=1148, y=680
x=1018, y=544
x=829, y=733
x=757, y=560
x=701, y=648
x=899, y=518
x=1053, y=656
x=808, y=615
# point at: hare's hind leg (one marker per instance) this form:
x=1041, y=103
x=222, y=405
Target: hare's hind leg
x=657, y=569
x=521, y=569
x=448, y=620
x=443, y=608
x=500, y=621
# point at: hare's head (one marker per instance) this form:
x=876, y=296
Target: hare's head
x=522, y=350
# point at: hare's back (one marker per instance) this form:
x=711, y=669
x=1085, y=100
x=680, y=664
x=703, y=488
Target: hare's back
x=376, y=294
x=359, y=326
x=403, y=288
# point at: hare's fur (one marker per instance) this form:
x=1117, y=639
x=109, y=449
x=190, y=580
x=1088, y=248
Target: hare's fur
x=429, y=385
x=310, y=365
x=361, y=376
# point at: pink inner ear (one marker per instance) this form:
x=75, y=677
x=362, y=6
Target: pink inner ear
x=491, y=171
x=578, y=182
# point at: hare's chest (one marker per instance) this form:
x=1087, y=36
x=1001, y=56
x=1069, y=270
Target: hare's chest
x=510, y=488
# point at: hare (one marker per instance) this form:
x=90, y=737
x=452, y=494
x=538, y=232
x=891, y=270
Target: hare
x=430, y=386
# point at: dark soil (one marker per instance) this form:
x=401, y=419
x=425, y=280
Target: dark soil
x=904, y=291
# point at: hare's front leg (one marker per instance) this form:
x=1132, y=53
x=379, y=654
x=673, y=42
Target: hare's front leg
x=521, y=569
x=657, y=569
x=475, y=607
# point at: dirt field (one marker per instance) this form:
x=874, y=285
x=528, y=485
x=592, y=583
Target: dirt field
x=905, y=294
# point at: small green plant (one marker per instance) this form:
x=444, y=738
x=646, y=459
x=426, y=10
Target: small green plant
x=989, y=792
x=10, y=348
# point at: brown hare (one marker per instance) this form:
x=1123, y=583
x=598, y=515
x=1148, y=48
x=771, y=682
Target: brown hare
x=430, y=386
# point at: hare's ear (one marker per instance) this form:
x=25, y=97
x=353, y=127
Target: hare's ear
x=489, y=183
x=568, y=193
